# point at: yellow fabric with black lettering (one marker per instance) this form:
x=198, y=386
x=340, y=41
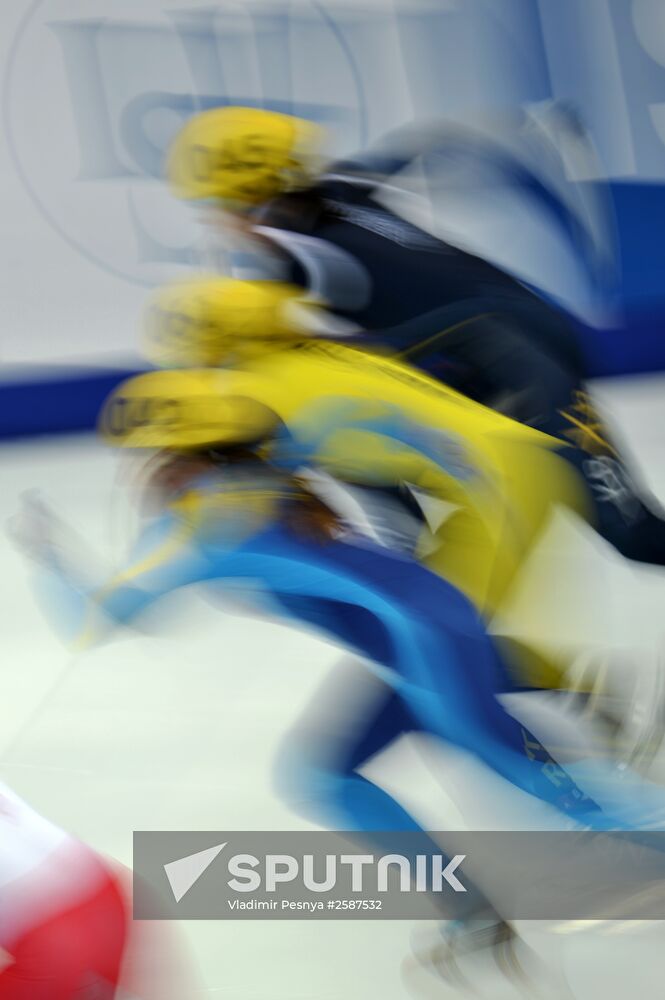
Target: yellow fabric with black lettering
x=504, y=481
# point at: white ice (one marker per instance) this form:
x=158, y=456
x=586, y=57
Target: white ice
x=176, y=728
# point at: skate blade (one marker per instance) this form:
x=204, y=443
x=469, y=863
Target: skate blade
x=491, y=956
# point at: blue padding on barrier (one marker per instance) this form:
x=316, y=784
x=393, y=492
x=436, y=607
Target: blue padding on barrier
x=639, y=213
x=639, y=345
x=636, y=349
x=56, y=402
x=70, y=401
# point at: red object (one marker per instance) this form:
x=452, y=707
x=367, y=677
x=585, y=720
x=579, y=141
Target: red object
x=74, y=955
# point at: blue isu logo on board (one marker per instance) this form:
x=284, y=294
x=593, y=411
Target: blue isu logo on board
x=92, y=100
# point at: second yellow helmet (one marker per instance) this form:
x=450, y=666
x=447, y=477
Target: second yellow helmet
x=216, y=321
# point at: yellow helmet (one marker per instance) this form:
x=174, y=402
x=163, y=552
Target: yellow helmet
x=242, y=155
x=182, y=410
x=216, y=321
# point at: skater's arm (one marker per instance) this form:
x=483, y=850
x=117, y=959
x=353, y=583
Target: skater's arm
x=82, y=611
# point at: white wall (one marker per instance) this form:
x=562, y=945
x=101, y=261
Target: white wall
x=94, y=89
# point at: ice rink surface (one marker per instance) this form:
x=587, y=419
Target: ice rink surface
x=177, y=727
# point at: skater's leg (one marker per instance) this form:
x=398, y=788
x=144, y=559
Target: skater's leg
x=350, y=721
x=354, y=717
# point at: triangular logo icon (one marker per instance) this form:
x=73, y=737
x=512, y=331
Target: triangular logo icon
x=434, y=511
x=183, y=873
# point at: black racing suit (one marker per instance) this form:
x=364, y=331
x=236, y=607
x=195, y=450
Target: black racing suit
x=463, y=320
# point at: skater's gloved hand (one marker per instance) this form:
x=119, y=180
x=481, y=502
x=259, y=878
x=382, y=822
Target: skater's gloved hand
x=33, y=529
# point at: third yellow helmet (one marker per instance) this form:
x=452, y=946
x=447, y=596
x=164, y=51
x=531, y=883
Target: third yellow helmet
x=182, y=410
